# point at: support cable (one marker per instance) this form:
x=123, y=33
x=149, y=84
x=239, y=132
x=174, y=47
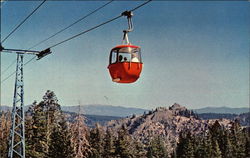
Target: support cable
x=5, y=79
x=85, y=31
x=97, y=26
x=53, y=35
x=88, y=30
x=23, y=21
x=82, y=18
x=12, y=63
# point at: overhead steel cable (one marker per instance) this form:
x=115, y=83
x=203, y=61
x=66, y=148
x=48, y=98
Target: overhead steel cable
x=23, y=21
x=82, y=18
x=85, y=31
x=88, y=30
x=5, y=79
x=92, y=27
x=12, y=63
x=97, y=26
x=139, y=6
x=29, y=61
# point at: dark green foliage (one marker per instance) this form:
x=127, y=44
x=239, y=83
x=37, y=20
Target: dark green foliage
x=207, y=145
x=109, y=148
x=216, y=130
x=60, y=145
x=247, y=146
x=139, y=149
x=238, y=140
x=36, y=131
x=150, y=152
x=216, y=153
x=217, y=142
x=203, y=147
x=46, y=129
x=227, y=149
x=157, y=148
x=96, y=142
x=180, y=145
x=185, y=147
x=123, y=144
x=48, y=136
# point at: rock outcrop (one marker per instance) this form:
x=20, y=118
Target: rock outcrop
x=165, y=122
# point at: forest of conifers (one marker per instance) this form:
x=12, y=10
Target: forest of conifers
x=50, y=135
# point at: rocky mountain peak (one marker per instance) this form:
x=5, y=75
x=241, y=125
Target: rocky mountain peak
x=178, y=107
x=163, y=121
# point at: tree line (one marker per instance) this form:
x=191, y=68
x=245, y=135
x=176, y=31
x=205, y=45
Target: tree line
x=49, y=135
x=217, y=142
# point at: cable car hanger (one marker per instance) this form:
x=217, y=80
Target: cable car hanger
x=129, y=15
x=125, y=64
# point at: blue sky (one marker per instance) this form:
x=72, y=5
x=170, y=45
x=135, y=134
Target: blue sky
x=194, y=53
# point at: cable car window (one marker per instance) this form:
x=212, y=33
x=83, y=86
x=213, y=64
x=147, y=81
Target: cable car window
x=124, y=57
x=135, y=57
x=113, y=58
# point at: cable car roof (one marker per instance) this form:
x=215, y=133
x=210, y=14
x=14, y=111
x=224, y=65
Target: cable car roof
x=124, y=46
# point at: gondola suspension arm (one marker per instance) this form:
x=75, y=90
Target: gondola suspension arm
x=129, y=15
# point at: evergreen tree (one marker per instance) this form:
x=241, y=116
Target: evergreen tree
x=200, y=146
x=150, y=152
x=36, y=132
x=185, y=146
x=139, y=149
x=96, y=142
x=217, y=133
x=207, y=145
x=109, y=148
x=247, y=147
x=189, y=148
x=237, y=139
x=246, y=133
x=60, y=145
x=180, y=144
x=227, y=150
x=157, y=148
x=43, y=120
x=124, y=144
x=5, y=124
x=216, y=153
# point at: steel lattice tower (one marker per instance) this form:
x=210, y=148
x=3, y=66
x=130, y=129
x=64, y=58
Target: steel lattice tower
x=17, y=134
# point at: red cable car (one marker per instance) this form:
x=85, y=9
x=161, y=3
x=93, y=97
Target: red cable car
x=125, y=64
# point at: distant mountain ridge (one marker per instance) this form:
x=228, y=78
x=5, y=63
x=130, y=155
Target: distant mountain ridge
x=102, y=110
x=222, y=110
x=119, y=111
x=105, y=110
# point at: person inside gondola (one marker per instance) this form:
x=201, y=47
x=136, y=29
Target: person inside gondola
x=134, y=58
x=125, y=59
x=120, y=58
